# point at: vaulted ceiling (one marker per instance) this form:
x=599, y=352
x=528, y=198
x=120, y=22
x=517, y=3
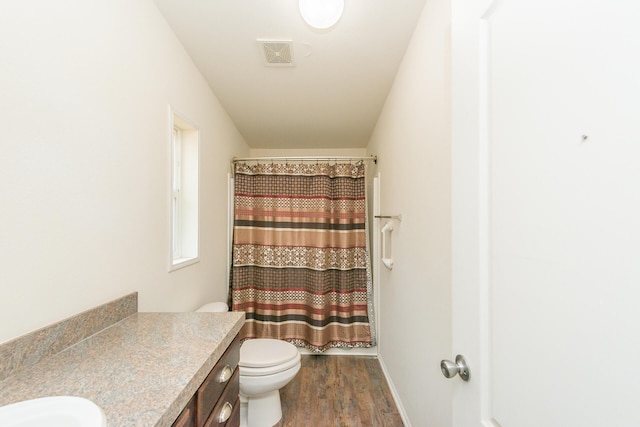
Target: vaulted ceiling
x=332, y=94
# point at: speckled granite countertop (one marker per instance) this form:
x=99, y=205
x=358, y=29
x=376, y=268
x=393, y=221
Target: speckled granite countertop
x=141, y=371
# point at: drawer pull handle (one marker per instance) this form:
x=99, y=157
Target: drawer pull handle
x=225, y=412
x=225, y=374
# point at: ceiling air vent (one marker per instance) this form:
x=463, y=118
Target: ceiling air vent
x=277, y=53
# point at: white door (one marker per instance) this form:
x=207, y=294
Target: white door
x=546, y=212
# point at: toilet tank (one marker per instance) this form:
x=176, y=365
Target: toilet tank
x=214, y=307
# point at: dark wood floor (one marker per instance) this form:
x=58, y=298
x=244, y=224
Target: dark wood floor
x=340, y=391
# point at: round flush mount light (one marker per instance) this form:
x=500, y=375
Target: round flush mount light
x=321, y=14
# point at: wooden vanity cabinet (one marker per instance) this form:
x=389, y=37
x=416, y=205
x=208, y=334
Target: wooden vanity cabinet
x=216, y=402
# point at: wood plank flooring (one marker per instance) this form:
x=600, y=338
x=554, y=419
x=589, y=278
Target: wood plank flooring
x=340, y=391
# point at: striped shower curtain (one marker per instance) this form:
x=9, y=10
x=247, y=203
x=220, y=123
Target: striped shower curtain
x=300, y=254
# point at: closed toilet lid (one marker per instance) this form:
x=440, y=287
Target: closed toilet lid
x=267, y=352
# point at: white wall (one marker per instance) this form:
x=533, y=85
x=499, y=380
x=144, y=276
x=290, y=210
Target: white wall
x=84, y=94
x=413, y=141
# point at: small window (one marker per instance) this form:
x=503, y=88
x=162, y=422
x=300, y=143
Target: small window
x=185, y=141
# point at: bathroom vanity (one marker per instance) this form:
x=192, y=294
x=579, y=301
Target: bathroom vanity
x=147, y=369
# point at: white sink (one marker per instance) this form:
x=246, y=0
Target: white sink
x=55, y=411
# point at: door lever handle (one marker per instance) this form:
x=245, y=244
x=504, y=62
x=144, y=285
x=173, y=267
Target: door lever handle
x=459, y=367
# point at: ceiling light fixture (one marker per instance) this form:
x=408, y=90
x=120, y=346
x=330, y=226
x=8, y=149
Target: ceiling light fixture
x=321, y=14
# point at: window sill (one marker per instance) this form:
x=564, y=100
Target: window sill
x=179, y=263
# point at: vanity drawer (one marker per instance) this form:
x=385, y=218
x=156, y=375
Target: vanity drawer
x=228, y=403
x=187, y=417
x=213, y=386
x=234, y=421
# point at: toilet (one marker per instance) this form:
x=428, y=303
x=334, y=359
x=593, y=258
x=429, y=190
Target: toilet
x=266, y=365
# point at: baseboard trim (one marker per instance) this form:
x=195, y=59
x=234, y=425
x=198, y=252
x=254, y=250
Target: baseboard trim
x=372, y=351
x=394, y=393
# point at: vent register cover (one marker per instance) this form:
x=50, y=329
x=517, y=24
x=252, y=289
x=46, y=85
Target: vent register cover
x=277, y=53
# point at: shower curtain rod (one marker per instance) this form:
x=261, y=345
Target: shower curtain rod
x=307, y=158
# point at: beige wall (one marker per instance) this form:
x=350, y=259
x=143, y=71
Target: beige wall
x=413, y=142
x=85, y=92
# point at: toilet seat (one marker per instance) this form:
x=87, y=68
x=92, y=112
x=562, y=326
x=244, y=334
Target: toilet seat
x=266, y=356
